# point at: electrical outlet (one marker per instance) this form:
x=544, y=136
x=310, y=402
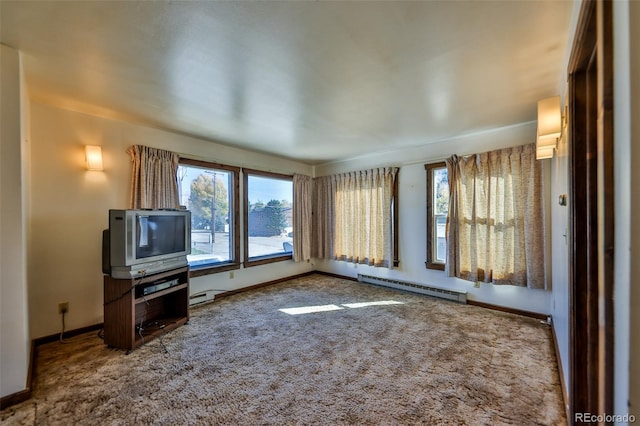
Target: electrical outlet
x=63, y=307
x=231, y=274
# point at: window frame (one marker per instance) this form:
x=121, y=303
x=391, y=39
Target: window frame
x=395, y=221
x=265, y=259
x=234, y=262
x=431, y=263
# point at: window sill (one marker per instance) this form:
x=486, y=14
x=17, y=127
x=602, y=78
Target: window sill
x=436, y=266
x=214, y=269
x=263, y=260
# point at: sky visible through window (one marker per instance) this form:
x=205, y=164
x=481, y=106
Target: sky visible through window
x=260, y=189
x=267, y=189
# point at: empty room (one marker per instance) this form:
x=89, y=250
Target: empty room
x=326, y=212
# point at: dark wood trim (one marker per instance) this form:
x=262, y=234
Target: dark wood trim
x=262, y=260
x=606, y=214
x=577, y=254
x=257, y=286
x=585, y=36
x=245, y=216
x=67, y=334
x=563, y=383
x=331, y=274
x=15, y=398
x=235, y=200
x=33, y=352
x=199, y=272
x=395, y=238
x=267, y=174
x=580, y=374
x=236, y=219
x=430, y=264
x=208, y=165
x=23, y=395
x=591, y=219
x=536, y=315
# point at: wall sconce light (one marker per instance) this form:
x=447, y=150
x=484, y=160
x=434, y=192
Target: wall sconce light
x=549, y=126
x=93, y=155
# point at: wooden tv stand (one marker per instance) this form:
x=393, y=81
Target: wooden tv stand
x=132, y=318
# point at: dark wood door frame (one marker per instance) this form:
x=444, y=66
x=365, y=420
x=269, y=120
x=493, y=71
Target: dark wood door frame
x=591, y=212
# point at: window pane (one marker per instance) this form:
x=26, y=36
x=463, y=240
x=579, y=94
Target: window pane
x=440, y=209
x=440, y=192
x=437, y=212
x=211, y=216
x=441, y=238
x=270, y=222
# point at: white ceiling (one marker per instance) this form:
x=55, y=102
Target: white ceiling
x=313, y=81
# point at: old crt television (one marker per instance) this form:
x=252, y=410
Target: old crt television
x=143, y=242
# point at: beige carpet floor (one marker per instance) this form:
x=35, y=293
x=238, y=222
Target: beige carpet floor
x=241, y=360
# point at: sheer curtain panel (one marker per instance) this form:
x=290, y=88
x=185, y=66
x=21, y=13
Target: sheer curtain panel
x=496, y=218
x=324, y=189
x=453, y=175
x=363, y=228
x=154, y=183
x=302, y=217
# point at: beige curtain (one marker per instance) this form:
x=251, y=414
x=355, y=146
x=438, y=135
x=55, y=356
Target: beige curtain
x=363, y=228
x=302, y=217
x=453, y=175
x=496, y=218
x=154, y=183
x=324, y=189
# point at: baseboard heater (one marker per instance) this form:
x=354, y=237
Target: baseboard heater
x=200, y=298
x=456, y=296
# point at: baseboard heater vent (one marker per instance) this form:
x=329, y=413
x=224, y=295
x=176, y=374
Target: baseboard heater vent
x=456, y=296
x=200, y=298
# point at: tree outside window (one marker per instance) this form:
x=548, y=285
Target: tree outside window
x=207, y=190
x=269, y=217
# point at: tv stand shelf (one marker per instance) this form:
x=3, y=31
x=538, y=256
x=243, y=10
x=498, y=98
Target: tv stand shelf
x=161, y=293
x=132, y=318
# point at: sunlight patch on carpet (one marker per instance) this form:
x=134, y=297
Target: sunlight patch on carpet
x=310, y=309
x=327, y=308
x=365, y=304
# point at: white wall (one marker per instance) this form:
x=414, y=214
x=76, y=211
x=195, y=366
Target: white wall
x=627, y=206
x=412, y=220
x=70, y=205
x=634, y=253
x=14, y=336
x=559, y=304
x=559, y=301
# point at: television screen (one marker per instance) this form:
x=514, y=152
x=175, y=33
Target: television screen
x=159, y=234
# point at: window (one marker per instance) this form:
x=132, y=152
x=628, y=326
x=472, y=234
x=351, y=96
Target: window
x=437, y=210
x=268, y=227
x=210, y=192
